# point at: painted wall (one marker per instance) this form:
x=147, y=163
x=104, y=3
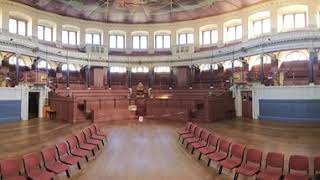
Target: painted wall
x=292, y=101
x=14, y=102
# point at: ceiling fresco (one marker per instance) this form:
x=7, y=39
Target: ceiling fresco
x=139, y=11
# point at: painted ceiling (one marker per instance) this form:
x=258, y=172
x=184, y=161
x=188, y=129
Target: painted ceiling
x=139, y=11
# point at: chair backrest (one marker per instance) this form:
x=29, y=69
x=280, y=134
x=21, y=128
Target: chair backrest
x=224, y=146
x=9, y=168
x=213, y=140
x=316, y=164
x=237, y=151
x=62, y=149
x=275, y=160
x=48, y=155
x=205, y=136
x=31, y=161
x=92, y=130
x=81, y=139
x=188, y=125
x=299, y=163
x=193, y=128
x=198, y=132
x=254, y=156
x=72, y=142
x=87, y=133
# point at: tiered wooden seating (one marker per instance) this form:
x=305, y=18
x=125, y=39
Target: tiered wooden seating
x=161, y=81
x=254, y=73
x=295, y=72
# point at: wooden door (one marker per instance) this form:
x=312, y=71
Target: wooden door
x=246, y=104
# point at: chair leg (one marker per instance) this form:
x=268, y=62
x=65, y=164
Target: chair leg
x=235, y=176
x=68, y=173
x=183, y=141
x=93, y=153
x=199, y=156
x=187, y=145
x=209, y=162
x=192, y=150
x=79, y=166
x=179, y=137
x=98, y=146
x=220, y=170
x=102, y=142
x=87, y=159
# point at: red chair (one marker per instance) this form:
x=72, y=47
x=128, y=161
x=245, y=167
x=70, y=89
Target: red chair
x=203, y=141
x=51, y=163
x=95, y=136
x=74, y=150
x=235, y=159
x=274, y=167
x=100, y=132
x=64, y=156
x=89, y=139
x=190, y=134
x=184, y=130
x=316, y=164
x=252, y=165
x=298, y=163
x=10, y=169
x=221, y=153
x=195, y=138
x=33, y=168
x=211, y=146
x=83, y=144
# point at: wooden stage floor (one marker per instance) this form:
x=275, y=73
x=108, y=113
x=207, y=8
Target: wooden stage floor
x=150, y=150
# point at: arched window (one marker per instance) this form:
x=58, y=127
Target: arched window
x=43, y=65
x=13, y=61
x=162, y=69
x=118, y=69
x=227, y=65
x=296, y=56
x=72, y=67
x=257, y=61
x=237, y=63
x=140, y=69
x=204, y=67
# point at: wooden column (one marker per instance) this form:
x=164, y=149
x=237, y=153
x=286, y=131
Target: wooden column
x=109, y=78
x=261, y=75
x=313, y=58
x=232, y=71
x=171, y=78
x=129, y=78
x=190, y=76
x=151, y=75
x=211, y=75
x=88, y=76
x=17, y=68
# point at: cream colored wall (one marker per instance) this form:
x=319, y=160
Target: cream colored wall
x=273, y=6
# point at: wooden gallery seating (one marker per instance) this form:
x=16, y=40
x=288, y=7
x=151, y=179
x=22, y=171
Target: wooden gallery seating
x=244, y=161
x=295, y=72
x=268, y=73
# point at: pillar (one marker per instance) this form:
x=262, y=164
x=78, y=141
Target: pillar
x=313, y=58
x=128, y=42
x=211, y=76
x=82, y=36
x=129, y=83
x=151, y=47
x=261, y=75
x=151, y=75
x=274, y=20
x=245, y=32
x=59, y=35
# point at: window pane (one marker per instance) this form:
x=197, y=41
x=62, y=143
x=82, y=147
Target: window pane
x=190, y=38
x=257, y=28
x=88, y=38
x=300, y=20
x=182, y=39
x=231, y=33
x=239, y=32
x=214, y=36
x=112, y=41
x=206, y=37
x=120, y=42
x=47, y=34
x=135, y=41
x=72, y=38
x=22, y=28
x=40, y=32
x=13, y=26
x=143, y=42
x=96, y=39
x=266, y=26
x=65, y=37
x=159, y=42
x=166, y=40
x=288, y=22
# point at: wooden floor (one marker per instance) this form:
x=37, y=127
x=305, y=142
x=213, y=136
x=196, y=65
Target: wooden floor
x=150, y=150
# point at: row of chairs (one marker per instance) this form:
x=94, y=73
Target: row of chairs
x=55, y=160
x=218, y=149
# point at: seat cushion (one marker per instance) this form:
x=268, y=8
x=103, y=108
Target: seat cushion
x=248, y=169
x=57, y=167
x=207, y=150
x=198, y=145
x=185, y=136
x=268, y=174
x=192, y=140
x=296, y=176
x=16, y=178
x=71, y=160
x=230, y=163
x=94, y=136
x=182, y=131
x=217, y=156
x=40, y=174
x=93, y=141
x=80, y=152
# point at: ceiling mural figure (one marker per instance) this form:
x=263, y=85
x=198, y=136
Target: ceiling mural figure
x=139, y=11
